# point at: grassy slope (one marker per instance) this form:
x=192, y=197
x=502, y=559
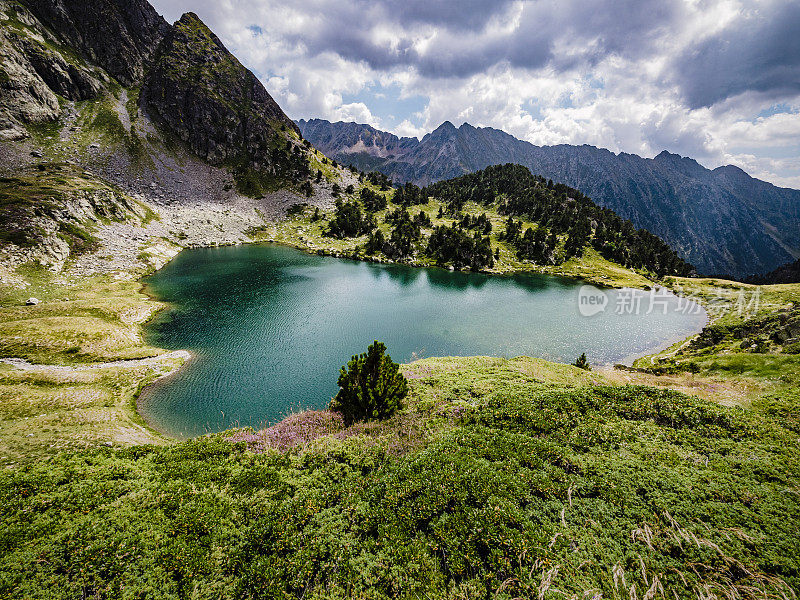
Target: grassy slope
x=79, y=322
x=502, y=479
x=303, y=232
x=759, y=376
x=721, y=296
x=730, y=304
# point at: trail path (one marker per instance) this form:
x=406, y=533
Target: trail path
x=24, y=365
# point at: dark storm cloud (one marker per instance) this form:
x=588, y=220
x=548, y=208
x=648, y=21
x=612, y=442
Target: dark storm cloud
x=759, y=52
x=463, y=16
x=347, y=28
x=462, y=42
x=623, y=27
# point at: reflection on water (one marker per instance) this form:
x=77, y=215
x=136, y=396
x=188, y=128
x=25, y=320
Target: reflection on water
x=270, y=326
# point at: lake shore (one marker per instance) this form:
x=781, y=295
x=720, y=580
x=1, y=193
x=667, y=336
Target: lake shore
x=301, y=231
x=89, y=315
x=336, y=305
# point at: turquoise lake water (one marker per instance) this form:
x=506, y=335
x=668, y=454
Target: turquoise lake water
x=270, y=326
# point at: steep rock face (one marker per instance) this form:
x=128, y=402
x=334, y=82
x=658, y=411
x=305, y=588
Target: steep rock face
x=117, y=35
x=67, y=79
x=200, y=92
x=36, y=68
x=24, y=96
x=49, y=212
x=722, y=221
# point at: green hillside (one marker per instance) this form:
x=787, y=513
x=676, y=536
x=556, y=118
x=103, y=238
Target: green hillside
x=503, y=479
x=500, y=220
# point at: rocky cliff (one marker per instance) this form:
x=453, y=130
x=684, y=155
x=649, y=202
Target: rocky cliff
x=68, y=49
x=34, y=71
x=196, y=91
x=117, y=35
x=201, y=93
x=722, y=221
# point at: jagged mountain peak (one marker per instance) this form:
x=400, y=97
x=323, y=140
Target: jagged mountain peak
x=666, y=156
x=199, y=91
x=735, y=176
x=722, y=221
x=670, y=158
x=446, y=128
x=731, y=169
x=191, y=18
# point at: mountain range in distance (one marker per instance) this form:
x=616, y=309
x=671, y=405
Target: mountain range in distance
x=722, y=221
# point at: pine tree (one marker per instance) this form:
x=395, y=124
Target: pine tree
x=582, y=363
x=371, y=387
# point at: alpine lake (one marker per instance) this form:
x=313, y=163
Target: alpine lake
x=270, y=327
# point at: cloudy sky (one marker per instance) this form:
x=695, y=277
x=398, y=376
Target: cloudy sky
x=717, y=80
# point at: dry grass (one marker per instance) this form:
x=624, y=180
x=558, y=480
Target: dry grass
x=723, y=390
x=62, y=404
x=49, y=410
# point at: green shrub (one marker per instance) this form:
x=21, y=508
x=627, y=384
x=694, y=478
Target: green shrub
x=296, y=209
x=371, y=386
x=582, y=363
x=792, y=348
x=578, y=487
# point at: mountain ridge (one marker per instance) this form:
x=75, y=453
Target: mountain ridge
x=200, y=92
x=707, y=215
x=108, y=92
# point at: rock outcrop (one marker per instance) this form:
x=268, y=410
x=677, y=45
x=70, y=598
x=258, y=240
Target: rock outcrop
x=24, y=96
x=71, y=49
x=202, y=94
x=36, y=69
x=49, y=212
x=117, y=35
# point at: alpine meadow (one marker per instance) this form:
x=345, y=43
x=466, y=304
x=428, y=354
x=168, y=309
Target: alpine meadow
x=459, y=300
